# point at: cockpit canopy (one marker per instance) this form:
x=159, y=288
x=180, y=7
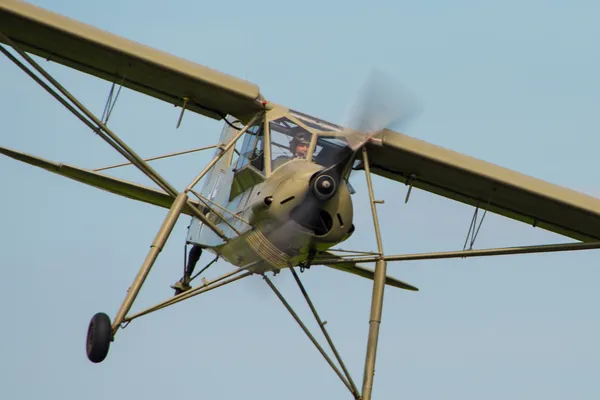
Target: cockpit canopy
x=289, y=141
x=292, y=137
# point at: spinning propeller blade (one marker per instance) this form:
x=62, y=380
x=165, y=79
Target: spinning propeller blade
x=381, y=103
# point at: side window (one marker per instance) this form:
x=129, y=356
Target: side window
x=251, y=151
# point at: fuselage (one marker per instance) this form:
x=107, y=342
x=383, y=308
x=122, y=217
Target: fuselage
x=274, y=217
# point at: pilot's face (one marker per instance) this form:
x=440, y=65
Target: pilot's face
x=301, y=149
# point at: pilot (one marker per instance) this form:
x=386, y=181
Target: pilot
x=298, y=148
x=299, y=145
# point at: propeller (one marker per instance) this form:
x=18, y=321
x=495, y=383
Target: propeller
x=381, y=103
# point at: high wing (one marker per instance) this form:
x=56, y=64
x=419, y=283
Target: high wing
x=101, y=181
x=214, y=94
x=479, y=183
x=354, y=269
x=116, y=59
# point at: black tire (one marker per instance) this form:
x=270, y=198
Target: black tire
x=99, y=336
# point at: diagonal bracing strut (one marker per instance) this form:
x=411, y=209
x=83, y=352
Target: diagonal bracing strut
x=178, y=153
x=98, y=127
x=85, y=115
x=180, y=200
x=111, y=101
x=165, y=231
x=223, y=280
x=354, y=390
x=474, y=227
x=347, y=382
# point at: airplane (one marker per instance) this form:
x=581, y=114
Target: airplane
x=276, y=195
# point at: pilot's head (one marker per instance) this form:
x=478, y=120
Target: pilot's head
x=299, y=145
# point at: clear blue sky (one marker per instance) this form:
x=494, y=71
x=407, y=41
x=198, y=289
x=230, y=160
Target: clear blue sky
x=515, y=83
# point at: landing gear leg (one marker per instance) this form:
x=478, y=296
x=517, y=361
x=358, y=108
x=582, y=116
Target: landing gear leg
x=100, y=331
x=184, y=283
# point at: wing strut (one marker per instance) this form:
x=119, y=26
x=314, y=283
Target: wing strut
x=346, y=379
x=179, y=153
x=378, y=289
x=474, y=227
x=101, y=129
x=498, y=251
x=181, y=200
x=111, y=101
x=86, y=116
x=325, y=333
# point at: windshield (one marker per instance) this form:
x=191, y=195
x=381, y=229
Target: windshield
x=289, y=141
x=329, y=150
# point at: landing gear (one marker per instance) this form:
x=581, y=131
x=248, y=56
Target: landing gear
x=182, y=285
x=99, y=336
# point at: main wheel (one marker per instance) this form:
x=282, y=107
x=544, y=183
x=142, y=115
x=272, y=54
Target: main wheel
x=99, y=336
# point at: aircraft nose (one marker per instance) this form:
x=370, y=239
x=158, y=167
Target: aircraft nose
x=310, y=198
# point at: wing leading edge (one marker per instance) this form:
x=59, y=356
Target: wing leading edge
x=479, y=183
x=116, y=59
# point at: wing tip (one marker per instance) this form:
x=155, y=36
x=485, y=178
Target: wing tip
x=406, y=286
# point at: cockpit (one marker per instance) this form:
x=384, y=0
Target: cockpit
x=294, y=136
x=265, y=147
